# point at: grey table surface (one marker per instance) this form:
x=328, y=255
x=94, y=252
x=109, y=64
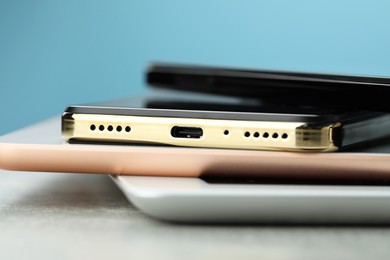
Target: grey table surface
x=85, y=216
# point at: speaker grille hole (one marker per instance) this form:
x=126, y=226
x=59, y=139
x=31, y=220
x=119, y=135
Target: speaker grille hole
x=109, y=128
x=265, y=135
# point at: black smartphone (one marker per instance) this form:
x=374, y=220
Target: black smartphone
x=301, y=88
x=196, y=120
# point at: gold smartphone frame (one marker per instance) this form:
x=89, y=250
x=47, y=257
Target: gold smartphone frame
x=216, y=133
x=40, y=147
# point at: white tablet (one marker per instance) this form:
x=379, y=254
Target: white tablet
x=198, y=201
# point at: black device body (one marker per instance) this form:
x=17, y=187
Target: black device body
x=288, y=87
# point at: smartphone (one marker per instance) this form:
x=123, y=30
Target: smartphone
x=182, y=119
x=292, y=87
x=41, y=148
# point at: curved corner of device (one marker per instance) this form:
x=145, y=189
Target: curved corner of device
x=336, y=137
x=67, y=125
x=325, y=138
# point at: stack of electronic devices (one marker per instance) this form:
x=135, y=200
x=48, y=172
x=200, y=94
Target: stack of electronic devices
x=229, y=145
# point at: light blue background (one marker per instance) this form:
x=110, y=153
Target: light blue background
x=54, y=53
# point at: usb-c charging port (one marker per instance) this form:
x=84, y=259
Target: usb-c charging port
x=186, y=132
